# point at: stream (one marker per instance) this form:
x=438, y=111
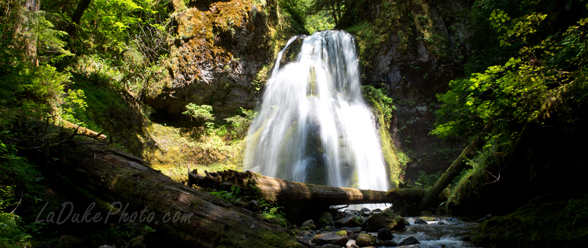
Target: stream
x=442, y=232
x=360, y=226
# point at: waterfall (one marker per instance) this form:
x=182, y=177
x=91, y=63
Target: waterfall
x=313, y=125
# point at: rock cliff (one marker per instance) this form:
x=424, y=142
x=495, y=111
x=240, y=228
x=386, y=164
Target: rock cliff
x=413, y=48
x=220, y=50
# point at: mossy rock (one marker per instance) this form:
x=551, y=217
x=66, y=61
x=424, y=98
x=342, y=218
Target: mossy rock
x=352, y=221
x=365, y=239
x=337, y=238
x=385, y=219
x=428, y=218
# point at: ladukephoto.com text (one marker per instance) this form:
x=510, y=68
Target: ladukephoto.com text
x=118, y=213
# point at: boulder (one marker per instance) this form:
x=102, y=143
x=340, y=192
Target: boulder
x=385, y=219
x=308, y=225
x=365, y=240
x=409, y=241
x=420, y=221
x=428, y=218
x=338, y=238
x=384, y=234
x=365, y=212
x=352, y=221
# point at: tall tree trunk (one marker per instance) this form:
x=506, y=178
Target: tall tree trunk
x=25, y=30
x=451, y=172
x=79, y=12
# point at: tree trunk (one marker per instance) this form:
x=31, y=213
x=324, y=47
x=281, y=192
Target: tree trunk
x=207, y=220
x=79, y=12
x=451, y=172
x=278, y=190
x=25, y=35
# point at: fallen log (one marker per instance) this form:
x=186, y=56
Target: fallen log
x=279, y=190
x=82, y=130
x=206, y=220
x=451, y=172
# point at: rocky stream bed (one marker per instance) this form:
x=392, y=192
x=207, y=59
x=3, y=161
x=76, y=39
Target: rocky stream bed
x=383, y=228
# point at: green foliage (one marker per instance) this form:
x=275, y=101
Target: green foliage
x=528, y=69
x=240, y=123
x=427, y=180
x=294, y=13
x=199, y=112
x=523, y=90
x=334, y=8
x=519, y=28
x=110, y=20
x=228, y=196
x=24, y=177
x=273, y=213
x=319, y=21
x=74, y=104
x=380, y=96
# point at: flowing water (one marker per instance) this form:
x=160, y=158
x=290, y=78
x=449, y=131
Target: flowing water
x=313, y=125
x=447, y=232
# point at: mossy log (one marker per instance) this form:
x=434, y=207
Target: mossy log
x=83, y=131
x=212, y=222
x=279, y=190
x=451, y=172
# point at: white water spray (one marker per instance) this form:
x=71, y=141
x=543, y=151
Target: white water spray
x=313, y=125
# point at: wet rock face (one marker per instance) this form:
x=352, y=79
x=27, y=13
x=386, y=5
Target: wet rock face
x=414, y=68
x=218, y=51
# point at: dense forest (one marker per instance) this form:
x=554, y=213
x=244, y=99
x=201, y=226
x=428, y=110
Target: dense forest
x=480, y=107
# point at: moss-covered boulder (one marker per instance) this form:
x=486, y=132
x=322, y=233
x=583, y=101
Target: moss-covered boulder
x=365, y=239
x=385, y=219
x=351, y=221
x=337, y=238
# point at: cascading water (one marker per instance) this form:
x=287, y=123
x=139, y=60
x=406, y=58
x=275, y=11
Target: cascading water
x=313, y=125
